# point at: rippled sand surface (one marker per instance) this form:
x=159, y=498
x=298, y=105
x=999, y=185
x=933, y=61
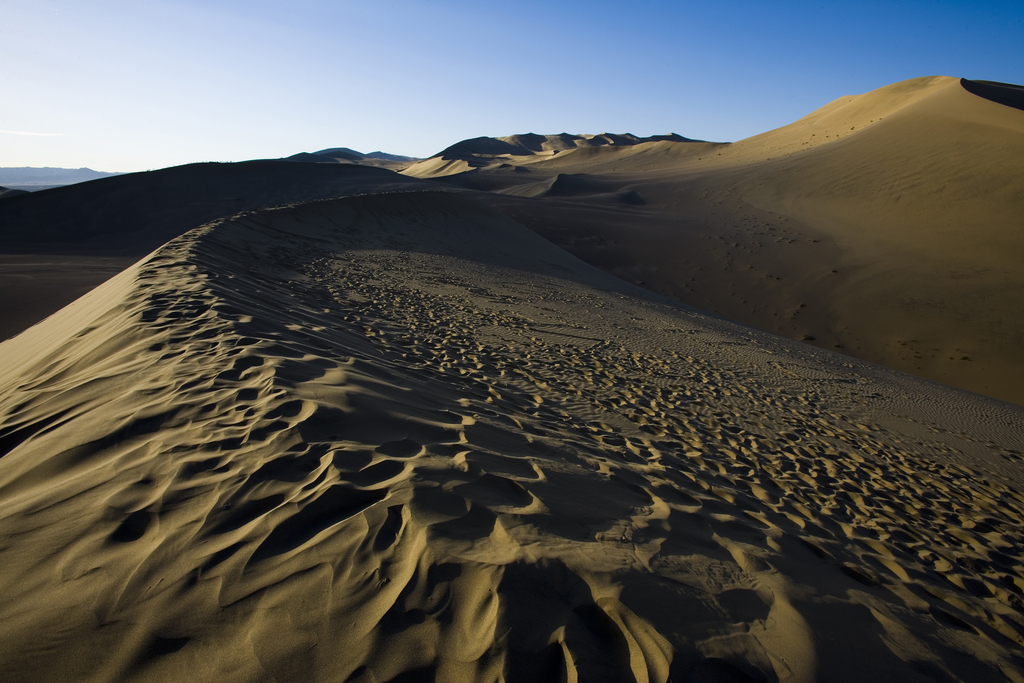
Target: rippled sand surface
x=402, y=438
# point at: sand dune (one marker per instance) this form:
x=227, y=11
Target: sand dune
x=400, y=437
x=885, y=225
x=489, y=153
x=36, y=285
x=1002, y=93
x=8, y=192
x=137, y=212
x=576, y=185
x=58, y=244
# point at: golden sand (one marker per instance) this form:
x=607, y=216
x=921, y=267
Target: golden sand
x=402, y=438
x=887, y=226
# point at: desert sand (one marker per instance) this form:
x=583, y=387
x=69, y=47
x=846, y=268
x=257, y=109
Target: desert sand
x=36, y=285
x=401, y=437
x=887, y=226
x=57, y=244
x=9, y=192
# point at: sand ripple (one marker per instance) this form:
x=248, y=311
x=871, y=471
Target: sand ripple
x=399, y=438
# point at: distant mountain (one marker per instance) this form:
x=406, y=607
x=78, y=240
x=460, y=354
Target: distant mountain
x=340, y=153
x=346, y=155
x=389, y=157
x=31, y=178
x=347, y=151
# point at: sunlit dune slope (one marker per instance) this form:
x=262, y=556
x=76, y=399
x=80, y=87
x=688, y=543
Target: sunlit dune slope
x=886, y=225
x=402, y=438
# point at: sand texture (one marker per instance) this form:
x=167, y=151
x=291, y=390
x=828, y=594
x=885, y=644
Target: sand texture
x=401, y=437
x=888, y=226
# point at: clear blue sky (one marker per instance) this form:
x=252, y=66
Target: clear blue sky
x=124, y=85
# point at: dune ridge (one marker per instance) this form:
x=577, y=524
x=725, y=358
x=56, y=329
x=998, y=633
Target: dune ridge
x=1004, y=93
x=137, y=212
x=399, y=437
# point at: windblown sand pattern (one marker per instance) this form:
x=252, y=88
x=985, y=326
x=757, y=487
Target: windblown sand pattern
x=402, y=438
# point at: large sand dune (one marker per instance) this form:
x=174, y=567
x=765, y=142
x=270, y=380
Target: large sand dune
x=402, y=438
x=886, y=225
x=56, y=245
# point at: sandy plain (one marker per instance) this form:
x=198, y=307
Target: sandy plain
x=400, y=437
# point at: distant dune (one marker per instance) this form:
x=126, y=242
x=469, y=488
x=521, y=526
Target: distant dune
x=400, y=437
x=8, y=192
x=481, y=153
x=886, y=226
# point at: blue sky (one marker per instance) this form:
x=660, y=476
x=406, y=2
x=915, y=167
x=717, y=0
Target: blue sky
x=121, y=85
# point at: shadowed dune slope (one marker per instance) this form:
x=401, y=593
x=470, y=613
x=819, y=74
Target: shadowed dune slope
x=36, y=285
x=886, y=225
x=137, y=212
x=57, y=244
x=6, y=192
x=1004, y=93
x=402, y=438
